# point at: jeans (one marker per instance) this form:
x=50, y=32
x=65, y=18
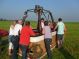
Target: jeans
x=24, y=51
x=10, y=38
x=15, y=42
x=48, y=49
x=10, y=43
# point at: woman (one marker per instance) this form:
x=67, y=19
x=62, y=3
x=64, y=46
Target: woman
x=10, y=37
x=47, y=38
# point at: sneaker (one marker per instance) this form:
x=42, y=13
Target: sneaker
x=19, y=54
x=10, y=54
x=28, y=58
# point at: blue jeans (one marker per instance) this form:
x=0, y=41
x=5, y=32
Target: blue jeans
x=24, y=51
x=48, y=49
x=15, y=42
x=10, y=37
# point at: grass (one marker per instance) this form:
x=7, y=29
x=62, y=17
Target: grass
x=5, y=24
x=71, y=43
x=70, y=48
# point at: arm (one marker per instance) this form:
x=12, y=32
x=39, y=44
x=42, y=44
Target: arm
x=65, y=29
x=20, y=28
x=55, y=27
x=12, y=26
x=43, y=31
x=32, y=32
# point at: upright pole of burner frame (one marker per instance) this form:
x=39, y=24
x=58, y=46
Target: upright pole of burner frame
x=38, y=10
x=39, y=22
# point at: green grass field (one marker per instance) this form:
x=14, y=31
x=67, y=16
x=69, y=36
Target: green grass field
x=70, y=48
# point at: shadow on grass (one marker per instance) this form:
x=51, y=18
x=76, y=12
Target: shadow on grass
x=66, y=54
x=3, y=44
x=3, y=49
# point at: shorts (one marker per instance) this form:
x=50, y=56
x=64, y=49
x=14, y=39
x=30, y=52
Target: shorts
x=60, y=36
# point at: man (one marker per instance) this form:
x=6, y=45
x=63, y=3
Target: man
x=15, y=39
x=24, y=42
x=60, y=27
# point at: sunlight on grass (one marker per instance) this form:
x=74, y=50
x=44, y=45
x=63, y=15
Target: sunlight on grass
x=70, y=48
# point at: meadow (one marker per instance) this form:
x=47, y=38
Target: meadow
x=70, y=48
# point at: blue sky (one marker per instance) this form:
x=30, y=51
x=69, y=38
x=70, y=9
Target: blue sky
x=14, y=9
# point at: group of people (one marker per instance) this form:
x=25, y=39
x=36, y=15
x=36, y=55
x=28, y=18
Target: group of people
x=19, y=37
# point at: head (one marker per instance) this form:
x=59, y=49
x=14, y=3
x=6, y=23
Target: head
x=42, y=19
x=20, y=22
x=46, y=23
x=60, y=19
x=27, y=23
x=14, y=23
x=49, y=22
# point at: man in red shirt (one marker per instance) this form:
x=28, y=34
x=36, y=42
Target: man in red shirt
x=26, y=32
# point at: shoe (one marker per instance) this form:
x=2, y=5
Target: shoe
x=10, y=54
x=28, y=58
x=19, y=54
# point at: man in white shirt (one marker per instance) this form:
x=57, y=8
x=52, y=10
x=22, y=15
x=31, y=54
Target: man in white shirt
x=15, y=40
x=60, y=32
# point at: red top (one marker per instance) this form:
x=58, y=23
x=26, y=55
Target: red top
x=26, y=32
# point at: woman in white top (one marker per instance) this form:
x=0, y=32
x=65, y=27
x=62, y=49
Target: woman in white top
x=11, y=30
